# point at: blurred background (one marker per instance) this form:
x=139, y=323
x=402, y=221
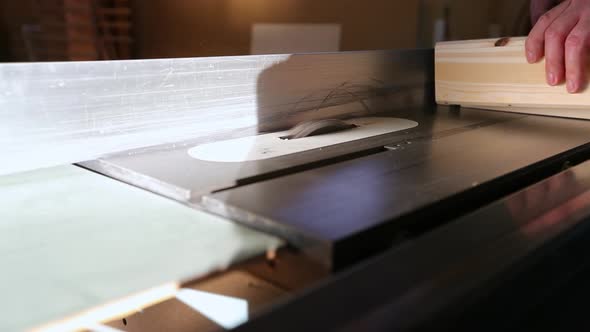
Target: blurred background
x=60, y=30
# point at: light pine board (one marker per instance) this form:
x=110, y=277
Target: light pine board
x=72, y=240
x=480, y=74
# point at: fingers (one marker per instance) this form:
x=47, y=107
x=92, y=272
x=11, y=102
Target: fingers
x=535, y=43
x=576, y=54
x=562, y=36
x=555, y=38
x=539, y=7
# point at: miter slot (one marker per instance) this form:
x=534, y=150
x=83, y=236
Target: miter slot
x=302, y=168
x=178, y=171
x=304, y=137
x=361, y=206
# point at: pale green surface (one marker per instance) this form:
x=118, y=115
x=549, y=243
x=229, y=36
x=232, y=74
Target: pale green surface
x=71, y=240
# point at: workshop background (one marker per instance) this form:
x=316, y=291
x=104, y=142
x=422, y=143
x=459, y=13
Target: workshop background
x=49, y=30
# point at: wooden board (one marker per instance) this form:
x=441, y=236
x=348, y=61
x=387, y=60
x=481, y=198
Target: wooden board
x=495, y=74
x=73, y=240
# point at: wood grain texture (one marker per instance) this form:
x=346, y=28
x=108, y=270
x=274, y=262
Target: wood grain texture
x=495, y=74
x=73, y=240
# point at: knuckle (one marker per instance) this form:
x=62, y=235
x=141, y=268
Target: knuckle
x=574, y=42
x=554, y=34
x=533, y=40
x=530, y=44
x=554, y=64
x=544, y=19
x=578, y=42
x=571, y=70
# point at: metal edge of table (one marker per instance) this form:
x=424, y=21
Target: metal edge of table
x=435, y=278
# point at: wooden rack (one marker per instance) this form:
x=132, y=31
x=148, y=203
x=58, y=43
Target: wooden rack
x=80, y=30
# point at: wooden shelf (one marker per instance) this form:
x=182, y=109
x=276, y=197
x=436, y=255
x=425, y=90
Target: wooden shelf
x=102, y=29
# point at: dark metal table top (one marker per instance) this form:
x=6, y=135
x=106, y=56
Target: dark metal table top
x=175, y=174
x=454, y=157
x=499, y=268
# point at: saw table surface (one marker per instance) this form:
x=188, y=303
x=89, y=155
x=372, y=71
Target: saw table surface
x=172, y=172
x=343, y=209
x=73, y=240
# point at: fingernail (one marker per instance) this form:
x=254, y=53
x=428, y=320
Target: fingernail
x=530, y=56
x=551, y=79
x=571, y=86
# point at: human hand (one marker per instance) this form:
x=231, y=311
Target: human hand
x=562, y=36
x=540, y=7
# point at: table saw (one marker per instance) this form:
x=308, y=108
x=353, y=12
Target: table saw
x=286, y=192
